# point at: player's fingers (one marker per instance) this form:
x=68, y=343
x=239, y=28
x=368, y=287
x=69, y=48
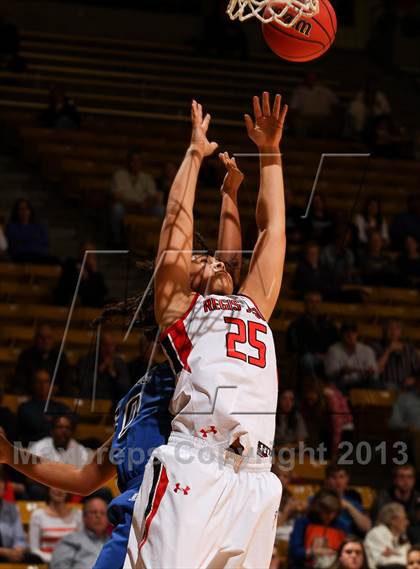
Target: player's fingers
x=283, y=115
x=266, y=104
x=249, y=124
x=206, y=122
x=257, y=107
x=277, y=106
x=213, y=146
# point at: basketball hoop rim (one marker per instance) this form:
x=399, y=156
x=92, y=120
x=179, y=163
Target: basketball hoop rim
x=243, y=10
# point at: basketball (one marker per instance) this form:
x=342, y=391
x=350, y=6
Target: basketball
x=306, y=40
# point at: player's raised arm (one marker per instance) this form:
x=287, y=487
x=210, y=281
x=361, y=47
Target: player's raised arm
x=263, y=281
x=66, y=477
x=173, y=262
x=229, y=244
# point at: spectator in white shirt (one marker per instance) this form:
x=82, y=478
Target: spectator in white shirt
x=367, y=107
x=61, y=446
x=386, y=544
x=350, y=363
x=371, y=220
x=50, y=524
x=130, y=186
x=313, y=107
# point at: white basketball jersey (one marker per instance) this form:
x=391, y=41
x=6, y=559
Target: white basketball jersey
x=222, y=351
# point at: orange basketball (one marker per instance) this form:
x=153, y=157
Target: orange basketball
x=308, y=39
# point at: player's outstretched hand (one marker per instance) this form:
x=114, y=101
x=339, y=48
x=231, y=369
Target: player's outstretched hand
x=200, y=126
x=234, y=177
x=266, y=129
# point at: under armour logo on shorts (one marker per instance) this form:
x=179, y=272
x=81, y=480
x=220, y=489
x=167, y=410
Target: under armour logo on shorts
x=205, y=432
x=179, y=489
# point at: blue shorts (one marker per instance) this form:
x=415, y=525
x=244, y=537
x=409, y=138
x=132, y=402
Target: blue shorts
x=120, y=513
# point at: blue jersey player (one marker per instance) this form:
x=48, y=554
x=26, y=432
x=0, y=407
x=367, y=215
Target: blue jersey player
x=143, y=421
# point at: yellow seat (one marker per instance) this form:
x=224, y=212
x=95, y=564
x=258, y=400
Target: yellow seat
x=372, y=398
x=26, y=509
x=367, y=494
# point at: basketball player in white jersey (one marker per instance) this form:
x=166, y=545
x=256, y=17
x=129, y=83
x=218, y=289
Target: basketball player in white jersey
x=208, y=498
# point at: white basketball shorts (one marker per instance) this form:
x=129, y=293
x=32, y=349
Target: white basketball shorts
x=199, y=507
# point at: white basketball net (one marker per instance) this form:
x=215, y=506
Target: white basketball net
x=295, y=9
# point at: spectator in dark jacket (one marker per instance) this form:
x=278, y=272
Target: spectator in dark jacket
x=377, y=268
x=92, y=290
x=397, y=359
x=409, y=262
x=309, y=274
x=42, y=355
x=290, y=426
x=319, y=225
x=113, y=379
x=32, y=421
x=407, y=222
x=402, y=491
x=27, y=239
x=316, y=537
x=311, y=334
x=61, y=111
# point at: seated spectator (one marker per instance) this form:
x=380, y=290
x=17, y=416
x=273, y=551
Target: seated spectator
x=319, y=226
x=290, y=426
x=13, y=546
x=338, y=260
x=312, y=108
x=165, y=180
x=7, y=420
x=352, y=515
x=371, y=220
x=402, y=491
x=33, y=423
x=326, y=415
x=386, y=544
x=316, y=538
x=406, y=222
x=92, y=291
x=42, y=355
x=60, y=446
x=290, y=508
x=27, y=239
x=408, y=262
x=413, y=557
x=113, y=379
x=376, y=267
x=294, y=221
x=61, y=112
x=10, y=59
x=131, y=186
x=80, y=549
x=309, y=275
x=311, y=334
x=406, y=416
x=367, y=109
x=350, y=363
x=398, y=361
x=50, y=524
x=351, y=555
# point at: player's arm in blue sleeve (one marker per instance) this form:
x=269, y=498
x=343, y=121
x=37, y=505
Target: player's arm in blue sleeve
x=66, y=477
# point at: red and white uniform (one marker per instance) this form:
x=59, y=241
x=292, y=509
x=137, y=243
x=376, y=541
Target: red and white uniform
x=200, y=504
x=223, y=352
